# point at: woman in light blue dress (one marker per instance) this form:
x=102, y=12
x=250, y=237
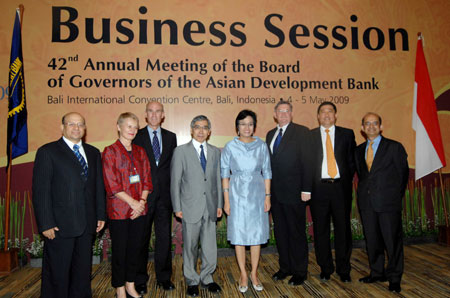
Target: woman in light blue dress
x=246, y=174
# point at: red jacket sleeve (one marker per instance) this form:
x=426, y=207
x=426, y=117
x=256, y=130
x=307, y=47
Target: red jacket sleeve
x=111, y=175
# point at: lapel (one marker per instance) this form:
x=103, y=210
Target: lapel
x=148, y=146
x=269, y=138
x=71, y=155
x=210, y=160
x=360, y=155
x=381, y=151
x=317, y=139
x=287, y=135
x=337, y=144
x=165, y=147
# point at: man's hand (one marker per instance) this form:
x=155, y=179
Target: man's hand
x=100, y=225
x=219, y=212
x=179, y=214
x=306, y=197
x=50, y=233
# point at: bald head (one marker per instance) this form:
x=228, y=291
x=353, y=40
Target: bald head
x=69, y=114
x=154, y=113
x=73, y=127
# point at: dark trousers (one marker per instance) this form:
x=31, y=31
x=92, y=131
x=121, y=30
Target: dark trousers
x=66, y=267
x=159, y=213
x=330, y=201
x=126, y=240
x=383, y=231
x=290, y=234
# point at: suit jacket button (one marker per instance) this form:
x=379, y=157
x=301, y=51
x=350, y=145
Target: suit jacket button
x=205, y=179
x=204, y=193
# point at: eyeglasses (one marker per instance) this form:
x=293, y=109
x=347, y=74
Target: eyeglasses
x=198, y=127
x=73, y=125
x=374, y=123
x=283, y=111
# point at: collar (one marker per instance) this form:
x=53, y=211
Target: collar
x=331, y=129
x=70, y=143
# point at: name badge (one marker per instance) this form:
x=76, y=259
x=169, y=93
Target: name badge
x=135, y=179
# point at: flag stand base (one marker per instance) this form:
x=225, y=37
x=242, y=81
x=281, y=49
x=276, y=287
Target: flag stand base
x=444, y=235
x=8, y=261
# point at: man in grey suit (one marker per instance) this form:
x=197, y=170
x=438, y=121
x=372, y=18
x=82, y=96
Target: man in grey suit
x=197, y=200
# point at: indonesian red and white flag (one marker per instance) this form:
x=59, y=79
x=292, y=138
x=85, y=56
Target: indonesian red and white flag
x=430, y=154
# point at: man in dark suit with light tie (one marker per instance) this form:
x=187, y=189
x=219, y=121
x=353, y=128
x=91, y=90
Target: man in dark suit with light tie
x=290, y=189
x=383, y=171
x=334, y=167
x=159, y=144
x=197, y=199
x=69, y=205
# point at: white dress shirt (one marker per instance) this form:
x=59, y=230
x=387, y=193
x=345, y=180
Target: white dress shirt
x=323, y=135
x=198, y=149
x=81, y=149
x=276, y=135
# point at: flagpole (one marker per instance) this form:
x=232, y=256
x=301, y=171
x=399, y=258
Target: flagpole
x=443, y=197
x=8, y=198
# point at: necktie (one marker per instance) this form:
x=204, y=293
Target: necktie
x=369, y=159
x=277, y=141
x=202, y=158
x=331, y=160
x=81, y=159
x=155, y=146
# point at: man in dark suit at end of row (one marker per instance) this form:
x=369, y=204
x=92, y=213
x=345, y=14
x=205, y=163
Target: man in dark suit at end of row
x=383, y=172
x=333, y=163
x=69, y=205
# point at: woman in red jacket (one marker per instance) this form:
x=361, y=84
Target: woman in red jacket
x=126, y=172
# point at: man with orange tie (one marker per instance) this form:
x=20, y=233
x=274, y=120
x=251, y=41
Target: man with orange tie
x=331, y=198
x=383, y=172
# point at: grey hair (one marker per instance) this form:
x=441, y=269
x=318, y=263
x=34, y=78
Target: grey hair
x=200, y=118
x=283, y=102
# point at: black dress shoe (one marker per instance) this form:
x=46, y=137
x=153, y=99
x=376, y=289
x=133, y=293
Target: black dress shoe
x=192, y=291
x=141, y=289
x=280, y=275
x=167, y=285
x=395, y=287
x=297, y=280
x=345, y=277
x=129, y=296
x=371, y=279
x=324, y=276
x=212, y=287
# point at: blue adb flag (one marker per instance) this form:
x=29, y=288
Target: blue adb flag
x=17, y=110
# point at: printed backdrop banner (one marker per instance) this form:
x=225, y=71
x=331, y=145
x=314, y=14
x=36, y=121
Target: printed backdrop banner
x=102, y=58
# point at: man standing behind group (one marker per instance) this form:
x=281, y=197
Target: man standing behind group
x=69, y=205
x=291, y=189
x=159, y=144
x=334, y=167
x=197, y=200
x=382, y=167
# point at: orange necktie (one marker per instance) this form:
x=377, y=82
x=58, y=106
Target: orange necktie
x=369, y=159
x=331, y=161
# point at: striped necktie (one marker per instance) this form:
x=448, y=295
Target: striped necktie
x=155, y=146
x=81, y=160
